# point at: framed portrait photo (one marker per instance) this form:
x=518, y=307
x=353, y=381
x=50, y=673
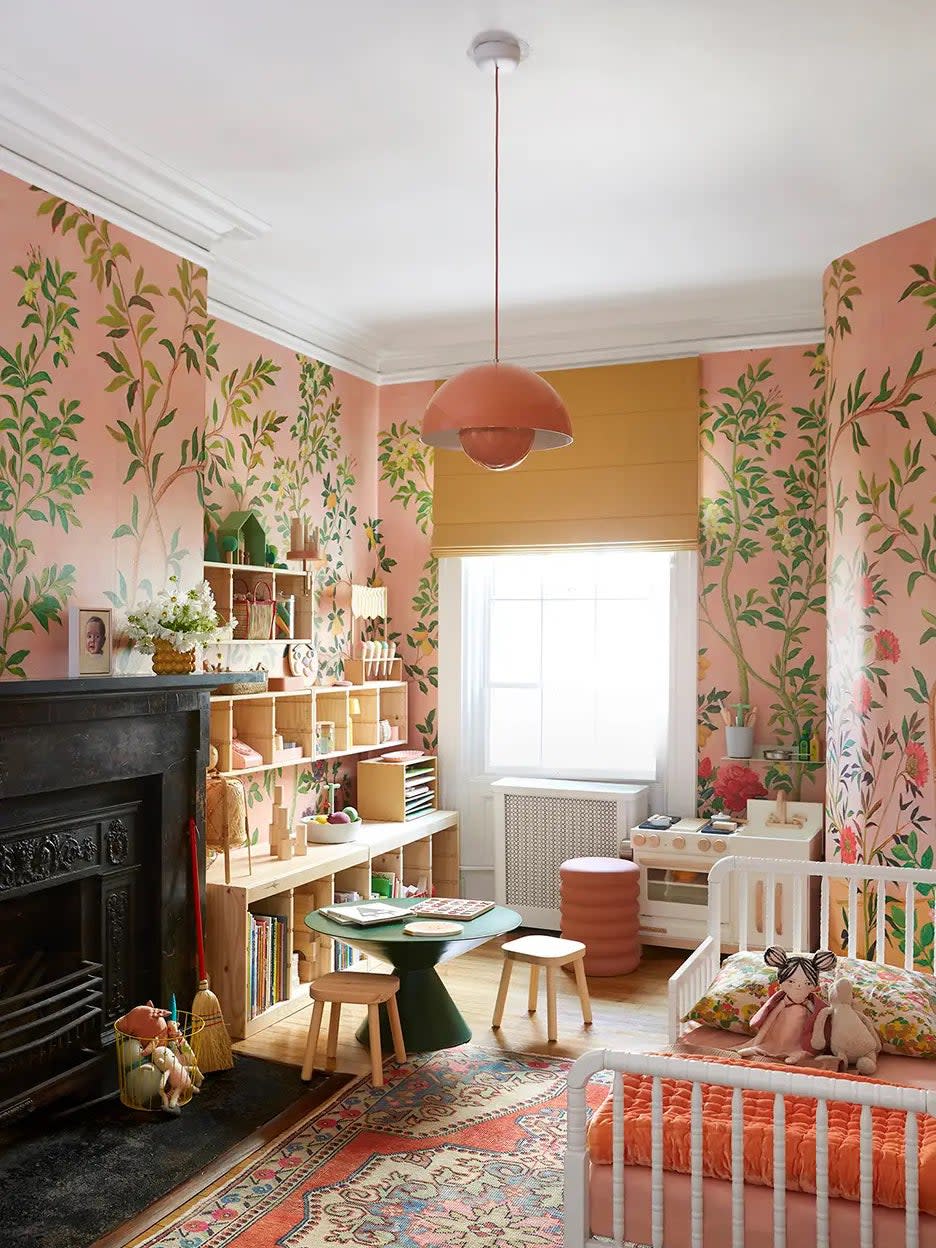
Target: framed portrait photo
x=90, y=643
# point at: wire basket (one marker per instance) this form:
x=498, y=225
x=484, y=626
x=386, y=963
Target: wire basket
x=142, y=1073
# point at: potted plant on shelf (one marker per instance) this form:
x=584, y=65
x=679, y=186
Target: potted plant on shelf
x=173, y=624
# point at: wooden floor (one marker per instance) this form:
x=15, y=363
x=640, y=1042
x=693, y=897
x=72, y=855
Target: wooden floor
x=629, y=1012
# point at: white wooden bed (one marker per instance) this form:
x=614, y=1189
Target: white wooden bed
x=647, y=1205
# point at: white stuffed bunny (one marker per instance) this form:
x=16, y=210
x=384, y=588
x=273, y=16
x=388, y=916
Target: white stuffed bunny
x=851, y=1038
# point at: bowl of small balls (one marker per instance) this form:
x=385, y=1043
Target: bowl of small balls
x=334, y=829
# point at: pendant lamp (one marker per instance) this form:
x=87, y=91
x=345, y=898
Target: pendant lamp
x=496, y=413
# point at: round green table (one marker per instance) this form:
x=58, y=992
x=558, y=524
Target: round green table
x=429, y=1017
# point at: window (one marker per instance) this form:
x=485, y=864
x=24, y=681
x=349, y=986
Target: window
x=569, y=661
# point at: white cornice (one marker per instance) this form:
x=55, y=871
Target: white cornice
x=85, y=164
x=74, y=156
x=596, y=347
x=235, y=295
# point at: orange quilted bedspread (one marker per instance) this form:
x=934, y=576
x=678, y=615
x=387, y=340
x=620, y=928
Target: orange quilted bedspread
x=887, y=1132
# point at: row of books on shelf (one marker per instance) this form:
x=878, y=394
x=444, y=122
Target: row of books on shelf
x=270, y=962
x=345, y=956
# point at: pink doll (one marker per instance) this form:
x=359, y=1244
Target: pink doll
x=784, y=1024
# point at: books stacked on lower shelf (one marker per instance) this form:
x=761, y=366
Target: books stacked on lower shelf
x=270, y=962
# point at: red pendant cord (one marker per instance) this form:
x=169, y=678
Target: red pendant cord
x=496, y=214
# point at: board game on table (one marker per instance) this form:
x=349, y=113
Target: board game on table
x=451, y=908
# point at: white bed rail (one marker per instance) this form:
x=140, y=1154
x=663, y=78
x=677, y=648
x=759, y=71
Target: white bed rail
x=864, y=892
x=577, y=1229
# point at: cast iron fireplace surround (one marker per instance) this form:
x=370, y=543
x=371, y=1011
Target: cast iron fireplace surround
x=98, y=778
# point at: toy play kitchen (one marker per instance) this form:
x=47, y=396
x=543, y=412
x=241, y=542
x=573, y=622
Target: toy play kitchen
x=674, y=865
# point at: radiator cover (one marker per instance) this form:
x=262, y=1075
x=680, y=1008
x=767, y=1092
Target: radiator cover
x=539, y=825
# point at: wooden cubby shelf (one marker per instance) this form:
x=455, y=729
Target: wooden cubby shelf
x=422, y=849
x=294, y=714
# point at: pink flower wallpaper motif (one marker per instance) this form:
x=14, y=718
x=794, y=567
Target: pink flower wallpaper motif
x=761, y=565
x=880, y=310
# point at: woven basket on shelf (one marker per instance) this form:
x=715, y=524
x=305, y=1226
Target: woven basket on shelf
x=244, y=686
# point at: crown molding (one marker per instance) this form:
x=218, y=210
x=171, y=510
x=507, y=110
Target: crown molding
x=74, y=157
x=599, y=347
x=90, y=167
x=235, y=295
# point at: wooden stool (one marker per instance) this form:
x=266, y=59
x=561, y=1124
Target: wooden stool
x=354, y=988
x=551, y=952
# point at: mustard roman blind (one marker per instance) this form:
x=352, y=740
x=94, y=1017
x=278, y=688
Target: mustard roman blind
x=630, y=478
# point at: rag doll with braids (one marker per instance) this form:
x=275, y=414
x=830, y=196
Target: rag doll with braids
x=783, y=1026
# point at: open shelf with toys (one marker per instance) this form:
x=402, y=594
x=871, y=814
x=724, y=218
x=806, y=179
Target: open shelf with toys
x=295, y=727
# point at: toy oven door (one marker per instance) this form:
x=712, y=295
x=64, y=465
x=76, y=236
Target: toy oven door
x=676, y=886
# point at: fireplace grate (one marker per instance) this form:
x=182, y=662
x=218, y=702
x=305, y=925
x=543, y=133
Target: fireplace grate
x=59, y=1013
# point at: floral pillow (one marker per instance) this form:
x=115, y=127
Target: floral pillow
x=900, y=1005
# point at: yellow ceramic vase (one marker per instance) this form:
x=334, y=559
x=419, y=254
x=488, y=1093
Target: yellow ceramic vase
x=170, y=662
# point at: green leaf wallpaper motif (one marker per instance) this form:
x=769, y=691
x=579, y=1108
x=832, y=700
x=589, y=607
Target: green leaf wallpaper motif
x=142, y=363
x=405, y=468
x=42, y=474
x=881, y=396
x=762, y=543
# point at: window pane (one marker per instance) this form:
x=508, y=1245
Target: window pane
x=589, y=631
x=515, y=643
x=518, y=576
x=569, y=728
x=634, y=574
x=569, y=576
x=569, y=651
x=514, y=729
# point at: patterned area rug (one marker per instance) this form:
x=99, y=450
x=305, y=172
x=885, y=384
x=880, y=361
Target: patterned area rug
x=461, y=1149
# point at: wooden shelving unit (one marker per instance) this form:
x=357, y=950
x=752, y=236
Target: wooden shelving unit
x=257, y=718
x=424, y=848
x=221, y=577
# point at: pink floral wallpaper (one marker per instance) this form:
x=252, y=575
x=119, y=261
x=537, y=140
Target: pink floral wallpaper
x=131, y=422
x=103, y=341
x=762, y=547
x=401, y=547
x=880, y=309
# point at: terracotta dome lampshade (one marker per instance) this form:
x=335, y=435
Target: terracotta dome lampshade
x=497, y=414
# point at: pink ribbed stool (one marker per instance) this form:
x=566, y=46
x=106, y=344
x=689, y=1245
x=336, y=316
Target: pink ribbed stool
x=600, y=906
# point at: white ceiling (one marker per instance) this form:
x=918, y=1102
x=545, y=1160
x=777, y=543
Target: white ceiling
x=673, y=170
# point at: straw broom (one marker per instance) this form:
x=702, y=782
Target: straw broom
x=214, y=1050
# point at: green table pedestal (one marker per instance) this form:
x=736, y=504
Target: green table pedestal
x=429, y=1018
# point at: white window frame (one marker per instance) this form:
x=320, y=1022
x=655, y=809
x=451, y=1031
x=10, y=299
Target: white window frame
x=465, y=779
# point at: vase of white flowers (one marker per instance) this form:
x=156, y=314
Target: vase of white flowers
x=173, y=624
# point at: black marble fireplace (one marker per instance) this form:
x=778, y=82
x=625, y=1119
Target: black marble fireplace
x=98, y=778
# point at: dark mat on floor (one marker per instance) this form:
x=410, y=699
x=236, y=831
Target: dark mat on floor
x=65, y=1183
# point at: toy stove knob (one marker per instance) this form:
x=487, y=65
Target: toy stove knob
x=653, y=840
x=705, y=845
x=679, y=842
x=638, y=838
x=719, y=846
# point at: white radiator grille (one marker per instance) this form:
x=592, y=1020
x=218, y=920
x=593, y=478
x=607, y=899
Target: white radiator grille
x=540, y=833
